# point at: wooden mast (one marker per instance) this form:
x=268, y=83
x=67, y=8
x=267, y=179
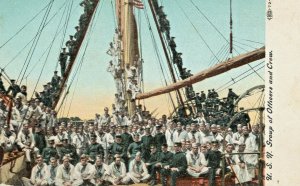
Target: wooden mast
x=213, y=71
x=128, y=28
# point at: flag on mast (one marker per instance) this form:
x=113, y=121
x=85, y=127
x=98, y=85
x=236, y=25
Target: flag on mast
x=138, y=4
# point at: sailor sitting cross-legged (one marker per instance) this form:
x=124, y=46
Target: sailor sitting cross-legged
x=137, y=170
x=85, y=170
x=39, y=174
x=196, y=162
x=102, y=172
x=118, y=172
x=65, y=175
x=52, y=170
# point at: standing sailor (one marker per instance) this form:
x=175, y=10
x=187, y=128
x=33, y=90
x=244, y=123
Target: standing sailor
x=71, y=44
x=13, y=88
x=63, y=57
x=55, y=81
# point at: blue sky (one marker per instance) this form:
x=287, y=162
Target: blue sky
x=95, y=86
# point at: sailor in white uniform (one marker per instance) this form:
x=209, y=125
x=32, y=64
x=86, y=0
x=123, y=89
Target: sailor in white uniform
x=138, y=171
x=196, y=162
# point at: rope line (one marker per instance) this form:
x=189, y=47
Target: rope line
x=24, y=26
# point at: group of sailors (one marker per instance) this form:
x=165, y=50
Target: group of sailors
x=75, y=40
x=132, y=72
x=104, y=152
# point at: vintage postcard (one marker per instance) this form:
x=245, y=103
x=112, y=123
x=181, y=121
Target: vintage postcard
x=149, y=92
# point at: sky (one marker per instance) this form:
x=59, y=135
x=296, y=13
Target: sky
x=93, y=88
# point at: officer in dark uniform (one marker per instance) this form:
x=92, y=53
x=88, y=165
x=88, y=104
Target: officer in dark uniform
x=71, y=44
x=39, y=138
x=49, y=151
x=83, y=21
x=198, y=102
x=147, y=140
x=135, y=146
x=178, y=61
x=63, y=57
x=126, y=137
x=117, y=148
x=159, y=138
x=68, y=149
x=94, y=148
x=231, y=95
x=88, y=6
x=153, y=163
x=164, y=25
x=2, y=88
x=14, y=88
x=55, y=81
x=160, y=11
x=165, y=156
x=243, y=118
x=78, y=34
x=203, y=96
x=214, y=94
x=172, y=45
x=213, y=156
x=176, y=168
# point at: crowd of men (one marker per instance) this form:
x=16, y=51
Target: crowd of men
x=132, y=72
x=133, y=151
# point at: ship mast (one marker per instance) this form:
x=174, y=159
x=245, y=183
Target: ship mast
x=130, y=51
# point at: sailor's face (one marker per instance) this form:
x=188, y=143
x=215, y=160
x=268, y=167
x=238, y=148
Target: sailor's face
x=138, y=158
x=118, y=161
x=213, y=129
x=177, y=148
x=179, y=127
x=83, y=161
x=53, y=163
x=39, y=161
x=66, y=162
x=229, y=148
x=195, y=150
x=193, y=127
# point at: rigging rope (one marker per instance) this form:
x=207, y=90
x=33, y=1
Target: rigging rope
x=35, y=42
x=245, y=44
x=113, y=12
x=239, y=76
x=52, y=17
x=50, y=45
x=198, y=33
x=56, y=33
x=220, y=53
x=250, y=40
x=24, y=26
x=90, y=31
x=154, y=44
x=220, y=33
